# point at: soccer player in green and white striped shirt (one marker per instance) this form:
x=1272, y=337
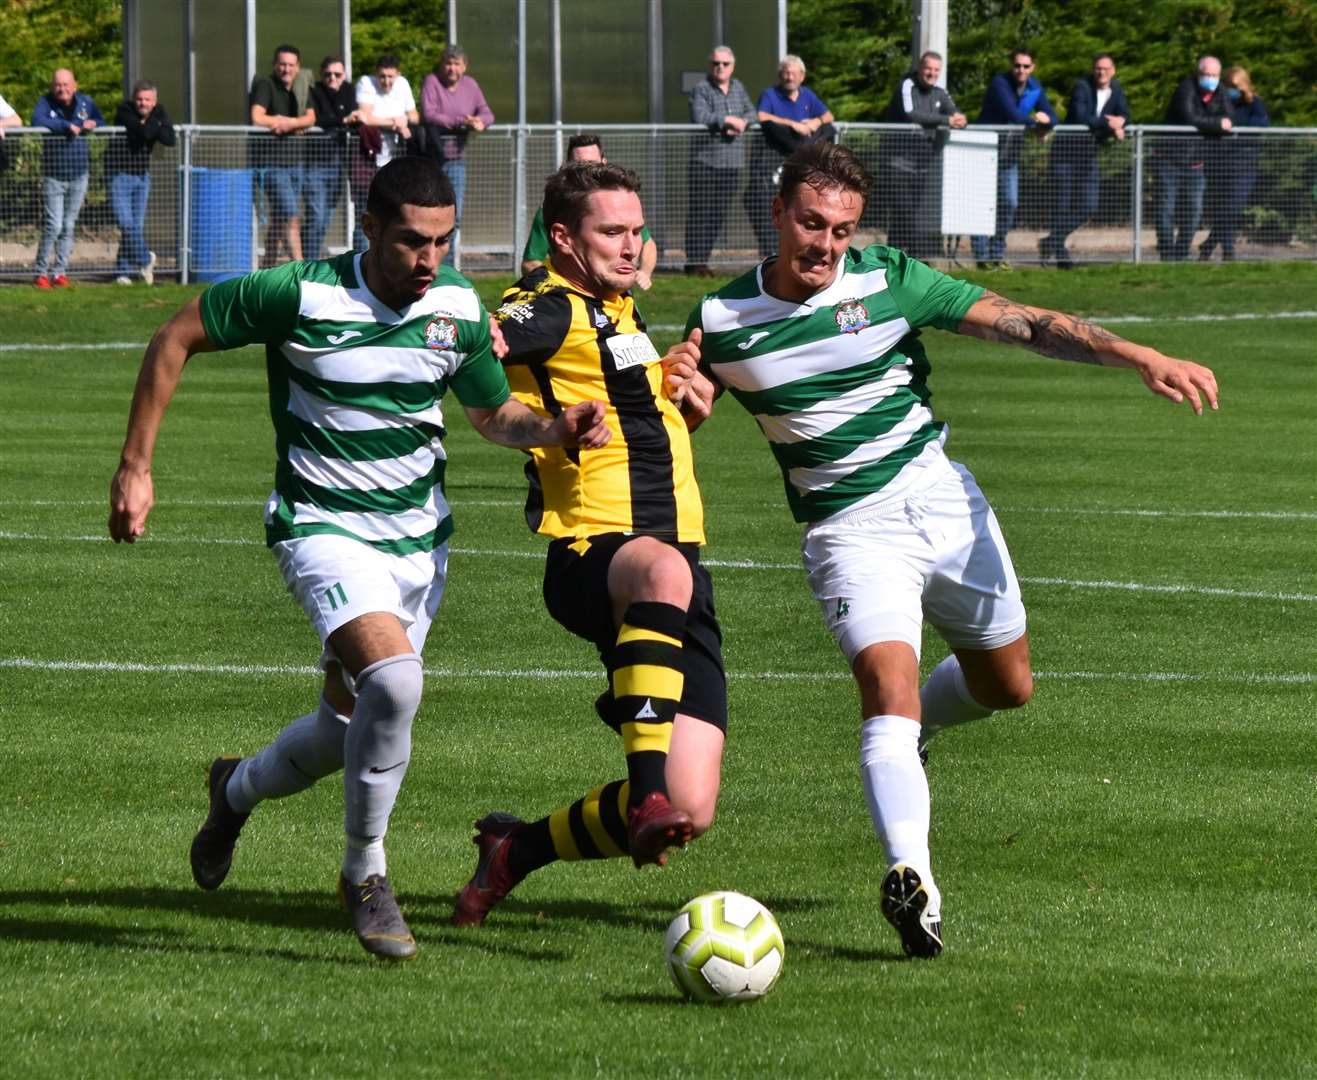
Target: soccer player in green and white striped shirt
x=821, y=344
x=360, y=350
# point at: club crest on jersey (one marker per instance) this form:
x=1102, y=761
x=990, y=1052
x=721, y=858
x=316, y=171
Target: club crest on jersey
x=852, y=316
x=440, y=333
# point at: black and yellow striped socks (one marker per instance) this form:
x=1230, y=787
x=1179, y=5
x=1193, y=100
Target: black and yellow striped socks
x=646, y=677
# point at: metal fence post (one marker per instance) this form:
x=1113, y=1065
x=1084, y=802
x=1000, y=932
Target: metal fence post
x=185, y=209
x=1136, y=211
x=521, y=134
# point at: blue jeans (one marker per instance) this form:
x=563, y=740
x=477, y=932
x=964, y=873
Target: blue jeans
x=128, y=195
x=1074, y=197
x=455, y=170
x=61, y=202
x=1008, y=200
x=322, y=190
x=1181, y=208
x=282, y=185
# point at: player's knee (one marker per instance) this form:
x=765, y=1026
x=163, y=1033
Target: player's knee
x=1009, y=693
x=655, y=572
x=391, y=688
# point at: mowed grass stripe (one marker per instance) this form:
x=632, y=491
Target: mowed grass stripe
x=459, y=501
x=727, y=564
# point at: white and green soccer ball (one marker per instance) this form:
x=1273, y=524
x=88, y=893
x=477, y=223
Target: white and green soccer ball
x=724, y=946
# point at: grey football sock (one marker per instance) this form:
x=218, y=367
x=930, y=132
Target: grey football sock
x=378, y=745
x=309, y=748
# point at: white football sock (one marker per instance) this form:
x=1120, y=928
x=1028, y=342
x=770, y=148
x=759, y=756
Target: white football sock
x=897, y=791
x=309, y=748
x=378, y=745
x=945, y=700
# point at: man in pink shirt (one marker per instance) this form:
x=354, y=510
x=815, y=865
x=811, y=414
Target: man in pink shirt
x=453, y=106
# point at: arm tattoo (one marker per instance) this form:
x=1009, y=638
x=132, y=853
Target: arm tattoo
x=521, y=429
x=1051, y=333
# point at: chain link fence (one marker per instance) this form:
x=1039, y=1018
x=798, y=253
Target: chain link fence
x=226, y=200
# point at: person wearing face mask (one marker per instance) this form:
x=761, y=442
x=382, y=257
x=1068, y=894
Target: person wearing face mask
x=1230, y=184
x=1199, y=102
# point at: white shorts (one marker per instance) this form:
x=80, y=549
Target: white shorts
x=937, y=554
x=336, y=578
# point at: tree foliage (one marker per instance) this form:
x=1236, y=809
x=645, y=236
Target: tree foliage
x=415, y=31
x=38, y=36
x=857, y=50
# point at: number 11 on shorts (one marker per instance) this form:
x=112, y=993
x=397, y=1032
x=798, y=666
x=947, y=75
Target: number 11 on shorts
x=336, y=596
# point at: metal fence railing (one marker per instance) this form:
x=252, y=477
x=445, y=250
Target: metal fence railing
x=226, y=200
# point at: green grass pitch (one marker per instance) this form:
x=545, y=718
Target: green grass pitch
x=1127, y=863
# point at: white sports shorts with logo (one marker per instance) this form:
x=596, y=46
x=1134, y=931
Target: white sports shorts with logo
x=936, y=553
x=336, y=578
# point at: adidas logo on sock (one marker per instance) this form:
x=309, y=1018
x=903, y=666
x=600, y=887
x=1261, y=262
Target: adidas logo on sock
x=647, y=711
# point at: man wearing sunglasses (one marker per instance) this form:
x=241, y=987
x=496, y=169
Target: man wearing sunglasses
x=334, y=100
x=1014, y=97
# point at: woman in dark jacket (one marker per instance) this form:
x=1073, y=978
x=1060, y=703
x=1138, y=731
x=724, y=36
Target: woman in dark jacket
x=1232, y=180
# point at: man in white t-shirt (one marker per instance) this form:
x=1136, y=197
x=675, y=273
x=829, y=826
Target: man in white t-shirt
x=386, y=102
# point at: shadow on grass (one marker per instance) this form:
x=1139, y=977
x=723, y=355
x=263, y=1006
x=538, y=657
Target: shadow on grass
x=138, y=939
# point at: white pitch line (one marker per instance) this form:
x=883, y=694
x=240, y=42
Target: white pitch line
x=116, y=667
x=81, y=346
x=734, y=564
x=1265, y=515
x=1234, y=316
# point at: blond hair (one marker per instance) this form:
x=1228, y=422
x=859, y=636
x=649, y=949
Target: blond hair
x=1238, y=78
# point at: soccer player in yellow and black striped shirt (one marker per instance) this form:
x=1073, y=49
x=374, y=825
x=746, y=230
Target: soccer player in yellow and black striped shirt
x=626, y=524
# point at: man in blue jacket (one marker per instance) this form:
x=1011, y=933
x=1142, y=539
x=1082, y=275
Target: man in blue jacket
x=1098, y=102
x=69, y=115
x=1014, y=97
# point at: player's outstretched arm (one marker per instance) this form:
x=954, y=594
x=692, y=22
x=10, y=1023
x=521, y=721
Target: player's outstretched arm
x=1067, y=337
x=132, y=493
x=513, y=424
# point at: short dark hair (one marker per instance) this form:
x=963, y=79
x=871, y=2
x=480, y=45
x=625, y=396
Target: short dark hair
x=388, y=60
x=331, y=59
x=584, y=138
x=824, y=165
x=286, y=48
x=1021, y=51
x=568, y=190
x=1105, y=56
x=407, y=181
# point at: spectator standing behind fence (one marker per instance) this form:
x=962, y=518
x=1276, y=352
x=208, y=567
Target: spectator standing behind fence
x=1013, y=97
x=1181, y=160
x=128, y=167
x=907, y=160
x=277, y=157
x=1098, y=102
x=334, y=101
x=584, y=147
x=790, y=115
x=721, y=105
x=65, y=161
x=1231, y=178
x=386, y=102
x=453, y=106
